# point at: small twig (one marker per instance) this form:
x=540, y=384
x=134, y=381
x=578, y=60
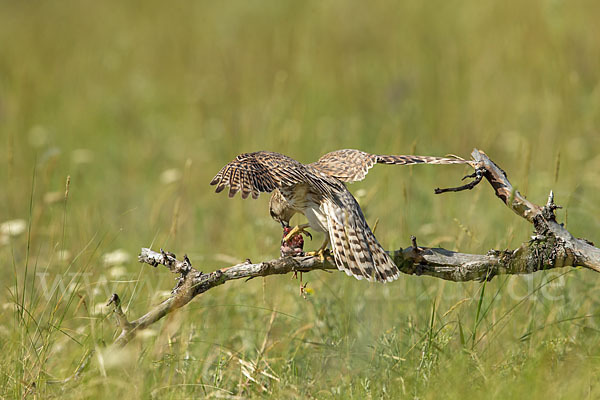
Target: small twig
x=477, y=175
x=121, y=318
x=80, y=368
x=413, y=241
x=550, y=207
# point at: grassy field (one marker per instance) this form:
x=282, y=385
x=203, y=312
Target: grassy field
x=141, y=103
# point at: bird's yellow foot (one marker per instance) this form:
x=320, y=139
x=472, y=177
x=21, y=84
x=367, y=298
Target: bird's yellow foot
x=296, y=230
x=322, y=253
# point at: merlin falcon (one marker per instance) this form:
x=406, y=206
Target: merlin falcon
x=318, y=191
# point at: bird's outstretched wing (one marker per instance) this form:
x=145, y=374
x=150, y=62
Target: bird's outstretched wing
x=353, y=165
x=263, y=171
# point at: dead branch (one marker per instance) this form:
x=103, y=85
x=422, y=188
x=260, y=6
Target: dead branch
x=569, y=250
x=552, y=247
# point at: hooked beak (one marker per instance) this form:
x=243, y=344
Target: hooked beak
x=284, y=224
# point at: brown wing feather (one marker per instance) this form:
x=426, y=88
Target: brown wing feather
x=257, y=172
x=346, y=165
x=350, y=165
x=263, y=171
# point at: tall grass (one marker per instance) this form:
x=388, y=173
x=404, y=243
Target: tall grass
x=140, y=103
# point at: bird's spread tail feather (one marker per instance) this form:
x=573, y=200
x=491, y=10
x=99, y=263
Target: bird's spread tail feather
x=356, y=250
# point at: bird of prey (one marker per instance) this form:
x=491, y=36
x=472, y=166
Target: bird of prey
x=317, y=190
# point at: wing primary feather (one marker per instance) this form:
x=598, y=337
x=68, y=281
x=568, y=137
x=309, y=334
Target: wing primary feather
x=233, y=184
x=246, y=186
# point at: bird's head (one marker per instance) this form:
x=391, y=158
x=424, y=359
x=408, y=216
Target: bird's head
x=280, y=209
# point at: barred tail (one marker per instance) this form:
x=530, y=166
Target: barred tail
x=355, y=249
x=408, y=160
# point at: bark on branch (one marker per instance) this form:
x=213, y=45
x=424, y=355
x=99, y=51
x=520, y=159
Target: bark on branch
x=552, y=247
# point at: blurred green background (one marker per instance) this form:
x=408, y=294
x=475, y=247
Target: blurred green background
x=141, y=103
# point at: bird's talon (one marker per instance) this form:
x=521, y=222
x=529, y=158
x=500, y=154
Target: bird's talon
x=296, y=230
x=319, y=253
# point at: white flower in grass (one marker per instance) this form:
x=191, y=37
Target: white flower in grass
x=100, y=309
x=427, y=229
x=38, y=136
x=117, y=271
x=361, y=195
x=53, y=197
x=13, y=227
x=117, y=358
x=58, y=347
x=102, y=282
x=4, y=331
x=170, y=176
x=116, y=257
x=63, y=255
x=146, y=334
x=73, y=286
x=82, y=156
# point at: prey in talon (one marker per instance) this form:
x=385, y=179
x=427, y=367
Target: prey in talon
x=292, y=242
